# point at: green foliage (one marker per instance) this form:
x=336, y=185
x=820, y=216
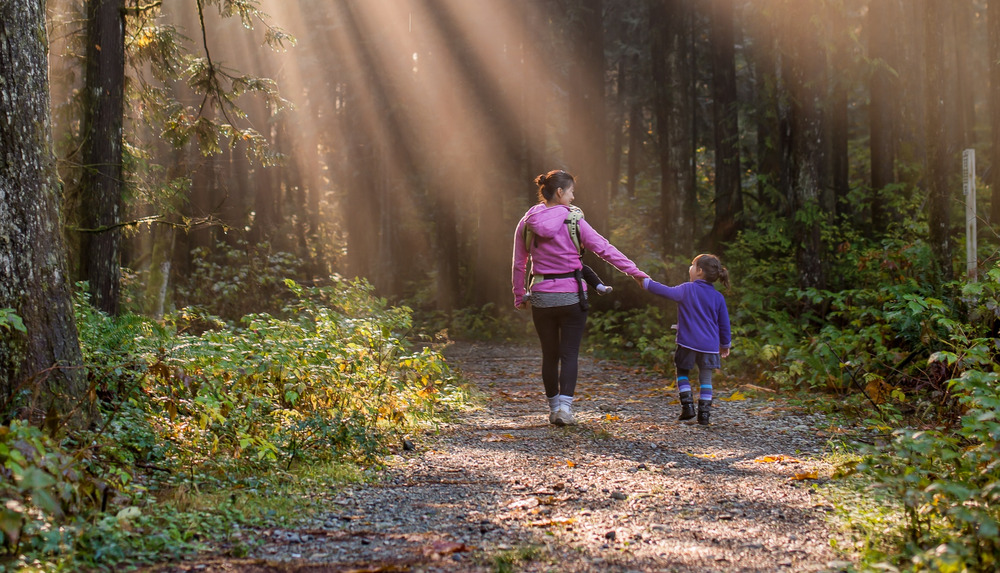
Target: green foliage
x=10, y=320
x=233, y=281
x=646, y=332
x=217, y=408
x=947, y=484
x=334, y=379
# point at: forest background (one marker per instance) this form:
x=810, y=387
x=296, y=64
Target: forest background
x=220, y=165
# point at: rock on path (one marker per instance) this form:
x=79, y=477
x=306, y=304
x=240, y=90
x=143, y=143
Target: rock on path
x=629, y=489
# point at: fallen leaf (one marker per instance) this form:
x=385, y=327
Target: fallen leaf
x=611, y=418
x=706, y=456
x=445, y=548
x=499, y=438
x=571, y=464
x=552, y=522
x=805, y=475
x=526, y=503
x=734, y=397
x=780, y=458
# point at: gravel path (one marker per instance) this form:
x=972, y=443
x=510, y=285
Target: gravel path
x=629, y=489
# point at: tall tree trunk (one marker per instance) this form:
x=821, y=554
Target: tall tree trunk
x=839, y=127
x=910, y=107
x=993, y=21
x=45, y=359
x=101, y=181
x=766, y=106
x=938, y=155
x=534, y=95
x=964, y=107
x=673, y=108
x=586, y=140
x=620, y=121
x=636, y=132
x=725, y=112
x=805, y=59
x=881, y=42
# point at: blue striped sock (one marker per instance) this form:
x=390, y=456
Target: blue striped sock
x=683, y=384
x=705, y=379
x=706, y=392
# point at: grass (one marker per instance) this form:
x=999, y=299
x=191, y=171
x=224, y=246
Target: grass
x=510, y=560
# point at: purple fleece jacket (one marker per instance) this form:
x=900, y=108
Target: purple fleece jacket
x=702, y=316
x=553, y=251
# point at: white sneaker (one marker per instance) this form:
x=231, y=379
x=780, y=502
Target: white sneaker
x=555, y=418
x=566, y=417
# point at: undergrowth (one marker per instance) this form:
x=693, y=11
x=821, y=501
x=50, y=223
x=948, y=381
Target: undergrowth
x=903, y=357
x=207, y=425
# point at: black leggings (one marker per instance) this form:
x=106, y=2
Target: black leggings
x=560, y=330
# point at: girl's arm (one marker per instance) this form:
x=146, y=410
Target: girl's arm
x=519, y=266
x=595, y=243
x=673, y=293
x=725, y=333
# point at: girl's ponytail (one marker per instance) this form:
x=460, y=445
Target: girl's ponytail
x=713, y=269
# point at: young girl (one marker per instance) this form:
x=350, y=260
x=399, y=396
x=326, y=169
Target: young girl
x=703, y=334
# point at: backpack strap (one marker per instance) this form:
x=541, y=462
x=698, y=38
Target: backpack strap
x=572, y=223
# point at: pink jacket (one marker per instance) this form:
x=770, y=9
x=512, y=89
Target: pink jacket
x=553, y=251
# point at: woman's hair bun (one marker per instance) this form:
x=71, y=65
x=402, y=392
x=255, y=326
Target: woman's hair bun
x=540, y=180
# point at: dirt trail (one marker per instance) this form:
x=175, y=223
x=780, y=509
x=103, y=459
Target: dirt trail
x=629, y=489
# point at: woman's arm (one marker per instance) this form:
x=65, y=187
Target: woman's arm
x=595, y=243
x=519, y=266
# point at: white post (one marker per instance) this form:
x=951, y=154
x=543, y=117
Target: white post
x=969, y=190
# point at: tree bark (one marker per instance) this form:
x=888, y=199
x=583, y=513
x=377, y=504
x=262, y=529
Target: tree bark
x=938, y=156
x=725, y=113
x=45, y=360
x=673, y=108
x=993, y=21
x=101, y=181
x=883, y=90
x=766, y=107
x=839, y=123
x=586, y=140
x=805, y=61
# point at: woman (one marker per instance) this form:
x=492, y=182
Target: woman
x=554, y=287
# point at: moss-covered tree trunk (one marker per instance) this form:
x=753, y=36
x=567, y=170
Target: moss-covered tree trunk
x=101, y=182
x=40, y=369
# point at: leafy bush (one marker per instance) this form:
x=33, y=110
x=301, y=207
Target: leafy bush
x=221, y=407
x=947, y=484
x=233, y=281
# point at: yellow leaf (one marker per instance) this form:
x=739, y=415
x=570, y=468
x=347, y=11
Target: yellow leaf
x=734, y=397
x=570, y=464
x=780, y=458
x=806, y=475
x=611, y=418
x=553, y=521
x=706, y=456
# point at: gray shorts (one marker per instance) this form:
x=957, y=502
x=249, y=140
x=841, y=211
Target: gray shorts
x=685, y=358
